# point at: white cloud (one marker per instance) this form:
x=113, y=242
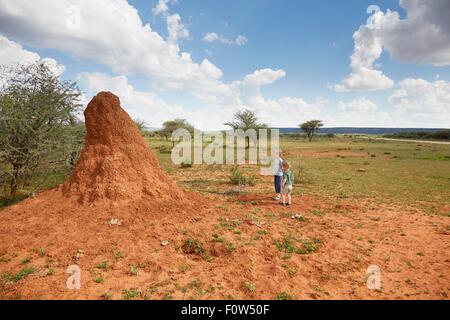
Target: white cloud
x=364, y=76
x=423, y=97
x=213, y=36
x=422, y=37
x=176, y=29
x=161, y=7
x=141, y=105
x=357, y=104
x=110, y=33
x=241, y=40
x=12, y=53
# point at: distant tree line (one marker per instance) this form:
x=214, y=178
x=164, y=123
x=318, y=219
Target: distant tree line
x=437, y=135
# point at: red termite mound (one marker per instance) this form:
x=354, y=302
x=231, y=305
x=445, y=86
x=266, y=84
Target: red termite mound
x=116, y=163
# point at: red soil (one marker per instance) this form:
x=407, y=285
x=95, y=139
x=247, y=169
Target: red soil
x=116, y=164
x=118, y=177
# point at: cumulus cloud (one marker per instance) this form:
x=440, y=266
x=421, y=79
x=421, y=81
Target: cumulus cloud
x=357, y=104
x=423, y=97
x=364, y=76
x=108, y=32
x=176, y=28
x=111, y=33
x=422, y=37
x=161, y=7
x=12, y=53
x=213, y=36
x=141, y=105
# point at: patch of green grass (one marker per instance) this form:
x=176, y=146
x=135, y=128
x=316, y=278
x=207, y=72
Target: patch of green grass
x=284, y=296
x=118, y=255
x=309, y=246
x=107, y=296
x=238, y=178
x=40, y=251
x=193, y=246
x=291, y=271
x=18, y=276
x=318, y=213
x=134, y=270
x=217, y=238
x=99, y=280
x=249, y=287
x=130, y=294
x=229, y=224
x=288, y=245
x=103, y=266
x=25, y=260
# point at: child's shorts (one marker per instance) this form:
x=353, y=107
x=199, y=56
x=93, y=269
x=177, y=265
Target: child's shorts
x=286, y=190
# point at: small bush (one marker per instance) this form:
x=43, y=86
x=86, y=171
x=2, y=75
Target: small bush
x=250, y=287
x=104, y=265
x=304, y=175
x=283, y=296
x=163, y=149
x=238, y=178
x=287, y=245
x=134, y=270
x=128, y=294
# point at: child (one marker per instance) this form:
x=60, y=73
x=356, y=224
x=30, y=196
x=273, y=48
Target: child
x=278, y=175
x=287, y=182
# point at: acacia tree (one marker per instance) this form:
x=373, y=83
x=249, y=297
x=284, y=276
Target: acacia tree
x=38, y=125
x=245, y=120
x=311, y=127
x=172, y=125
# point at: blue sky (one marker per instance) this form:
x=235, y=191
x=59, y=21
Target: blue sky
x=293, y=64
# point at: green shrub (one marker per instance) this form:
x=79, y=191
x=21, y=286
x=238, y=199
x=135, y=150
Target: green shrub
x=238, y=178
x=164, y=149
x=7, y=201
x=283, y=296
x=304, y=175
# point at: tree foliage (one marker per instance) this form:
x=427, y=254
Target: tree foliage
x=245, y=120
x=311, y=127
x=38, y=124
x=170, y=126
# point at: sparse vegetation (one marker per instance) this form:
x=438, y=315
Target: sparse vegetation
x=237, y=177
x=103, y=266
x=284, y=296
x=18, y=276
x=249, y=287
x=130, y=294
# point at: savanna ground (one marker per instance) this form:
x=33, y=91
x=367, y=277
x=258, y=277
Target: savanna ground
x=359, y=202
